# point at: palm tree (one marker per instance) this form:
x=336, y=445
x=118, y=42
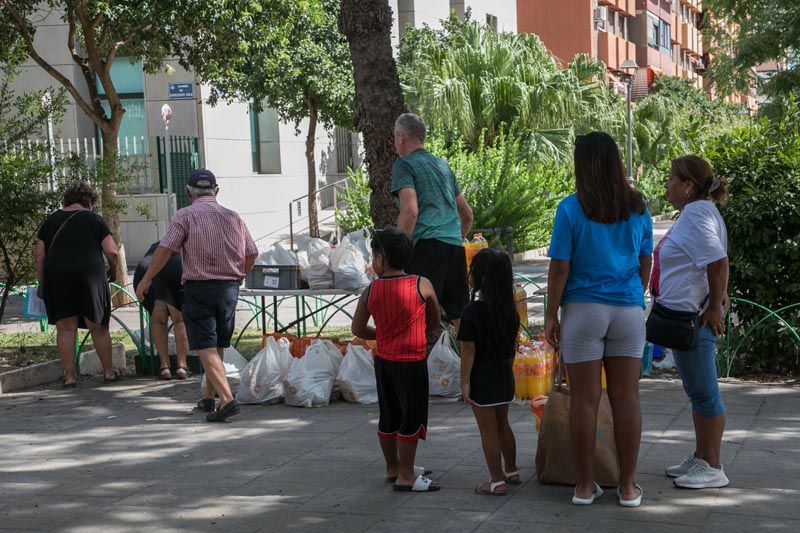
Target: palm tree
x=474, y=83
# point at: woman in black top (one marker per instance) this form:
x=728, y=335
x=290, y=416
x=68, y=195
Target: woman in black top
x=73, y=276
x=165, y=301
x=488, y=334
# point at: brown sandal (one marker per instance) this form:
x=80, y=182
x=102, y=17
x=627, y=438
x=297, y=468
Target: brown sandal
x=163, y=376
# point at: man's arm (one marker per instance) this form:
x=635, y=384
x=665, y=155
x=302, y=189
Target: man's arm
x=464, y=214
x=409, y=210
x=249, y=261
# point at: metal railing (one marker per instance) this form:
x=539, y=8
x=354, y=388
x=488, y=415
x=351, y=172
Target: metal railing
x=297, y=204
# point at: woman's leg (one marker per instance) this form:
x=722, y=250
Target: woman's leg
x=490, y=441
x=160, y=320
x=584, y=387
x=101, y=339
x=508, y=444
x=179, y=330
x=622, y=376
x=66, y=331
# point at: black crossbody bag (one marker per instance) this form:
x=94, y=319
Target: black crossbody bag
x=678, y=330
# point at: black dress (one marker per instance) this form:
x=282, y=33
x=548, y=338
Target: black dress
x=166, y=285
x=75, y=275
x=492, y=378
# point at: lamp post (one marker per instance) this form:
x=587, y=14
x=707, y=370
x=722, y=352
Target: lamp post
x=166, y=116
x=630, y=67
x=47, y=106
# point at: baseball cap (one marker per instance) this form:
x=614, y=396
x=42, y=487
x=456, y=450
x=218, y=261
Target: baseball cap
x=202, y=179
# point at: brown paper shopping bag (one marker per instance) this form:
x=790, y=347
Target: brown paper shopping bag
x=555, y=463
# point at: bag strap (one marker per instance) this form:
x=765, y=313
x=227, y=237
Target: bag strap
x=53, y=240
x=558, y=375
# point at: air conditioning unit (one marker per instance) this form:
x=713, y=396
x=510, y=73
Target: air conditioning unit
x=600, y=17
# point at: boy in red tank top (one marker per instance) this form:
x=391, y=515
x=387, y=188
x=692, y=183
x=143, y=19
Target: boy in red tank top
x=402, y=306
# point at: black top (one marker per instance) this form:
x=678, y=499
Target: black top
x=166, y=284
x=492, y=378
x=78, y=247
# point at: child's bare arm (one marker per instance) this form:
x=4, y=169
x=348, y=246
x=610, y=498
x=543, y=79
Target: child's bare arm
x=360, y=326
x=467, y=359
x=433, y=315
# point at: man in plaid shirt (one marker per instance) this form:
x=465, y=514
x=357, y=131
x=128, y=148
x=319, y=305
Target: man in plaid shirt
x=217, y=252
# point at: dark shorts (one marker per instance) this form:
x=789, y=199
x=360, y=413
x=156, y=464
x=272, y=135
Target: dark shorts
x=445, y=265
x=402, y=399
x=209, y=313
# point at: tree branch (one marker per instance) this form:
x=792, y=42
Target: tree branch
x=22, y=25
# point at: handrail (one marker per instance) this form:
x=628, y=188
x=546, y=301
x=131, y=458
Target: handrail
x=316, y=194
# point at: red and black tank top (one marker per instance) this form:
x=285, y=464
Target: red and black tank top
x=398, y=309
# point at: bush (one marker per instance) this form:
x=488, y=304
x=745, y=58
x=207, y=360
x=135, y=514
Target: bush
x=506, y=190
x=762, y=166
x=356, y=215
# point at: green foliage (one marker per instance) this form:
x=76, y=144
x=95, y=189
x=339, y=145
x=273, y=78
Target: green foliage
x=748, y=33
x=302, y=62
x=356, y=195
x=25, y=196
x=506, y=189
x=472, y=83
x=674, y=120
x=762, y=166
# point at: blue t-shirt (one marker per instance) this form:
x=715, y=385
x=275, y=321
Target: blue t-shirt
x=604, y=258
x=437, y=189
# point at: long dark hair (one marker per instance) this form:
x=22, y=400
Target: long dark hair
x=603, y=192
x=492, y=275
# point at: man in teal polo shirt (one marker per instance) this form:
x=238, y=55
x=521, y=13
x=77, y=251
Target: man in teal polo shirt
x=434, y=213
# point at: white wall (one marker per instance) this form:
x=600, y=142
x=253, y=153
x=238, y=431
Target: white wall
x=504, y=10
x=417, y=13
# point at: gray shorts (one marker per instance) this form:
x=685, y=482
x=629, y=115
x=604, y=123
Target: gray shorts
x=592, y=331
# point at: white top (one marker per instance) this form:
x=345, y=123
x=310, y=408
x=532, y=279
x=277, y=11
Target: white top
x=699, y=237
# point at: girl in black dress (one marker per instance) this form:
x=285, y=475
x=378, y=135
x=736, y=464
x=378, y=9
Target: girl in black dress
x=488, y=334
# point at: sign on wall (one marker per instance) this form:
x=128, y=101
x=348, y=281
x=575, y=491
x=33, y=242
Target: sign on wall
x=181, y=91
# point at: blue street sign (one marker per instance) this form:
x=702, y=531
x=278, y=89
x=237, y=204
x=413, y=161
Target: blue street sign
x=181, y=91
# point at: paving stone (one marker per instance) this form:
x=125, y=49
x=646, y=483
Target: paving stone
x=730, y=523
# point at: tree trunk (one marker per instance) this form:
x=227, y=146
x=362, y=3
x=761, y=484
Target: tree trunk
x=313, y=220
x=367, y=24
x=108, y=194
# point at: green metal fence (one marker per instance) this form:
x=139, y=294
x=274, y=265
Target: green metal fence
x=184, y=157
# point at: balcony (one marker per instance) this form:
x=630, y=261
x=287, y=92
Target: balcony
x=683, y=36
x=673, y=28
x=607, y=50
x=625, y=50
x=625, y=7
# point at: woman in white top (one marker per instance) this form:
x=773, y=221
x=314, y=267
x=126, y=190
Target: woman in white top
x=690, y=273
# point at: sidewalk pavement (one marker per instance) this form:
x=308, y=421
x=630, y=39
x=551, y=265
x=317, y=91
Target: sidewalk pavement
x=131, y=457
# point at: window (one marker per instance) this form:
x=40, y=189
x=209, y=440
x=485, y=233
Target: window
x=623, y=27
x=611, y=17
x=491, y=21
x=652, y=30
x=128, y=79
x=265, y=145
x=664, y=38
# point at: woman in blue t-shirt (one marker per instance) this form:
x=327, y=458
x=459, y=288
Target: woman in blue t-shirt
x=600, y=255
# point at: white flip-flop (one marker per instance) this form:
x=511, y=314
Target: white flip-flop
x=590, y=500
x=418, y=471
x=421, y=484
x=635, y=502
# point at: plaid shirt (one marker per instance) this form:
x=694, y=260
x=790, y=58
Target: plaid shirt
x=212, y=240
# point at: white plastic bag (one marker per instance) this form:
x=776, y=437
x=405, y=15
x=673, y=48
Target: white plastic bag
x=277, y=255
x=262, y=378
x=234, y=363
x=312, y=377
x=444, y=369
x=357, y=376
x=349, y=267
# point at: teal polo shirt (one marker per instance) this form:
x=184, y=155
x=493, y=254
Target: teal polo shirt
x=436, y=188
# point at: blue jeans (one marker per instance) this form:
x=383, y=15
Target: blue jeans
x=698, y=370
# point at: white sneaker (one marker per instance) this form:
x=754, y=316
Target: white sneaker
x=683, y=468
x=702, y=476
